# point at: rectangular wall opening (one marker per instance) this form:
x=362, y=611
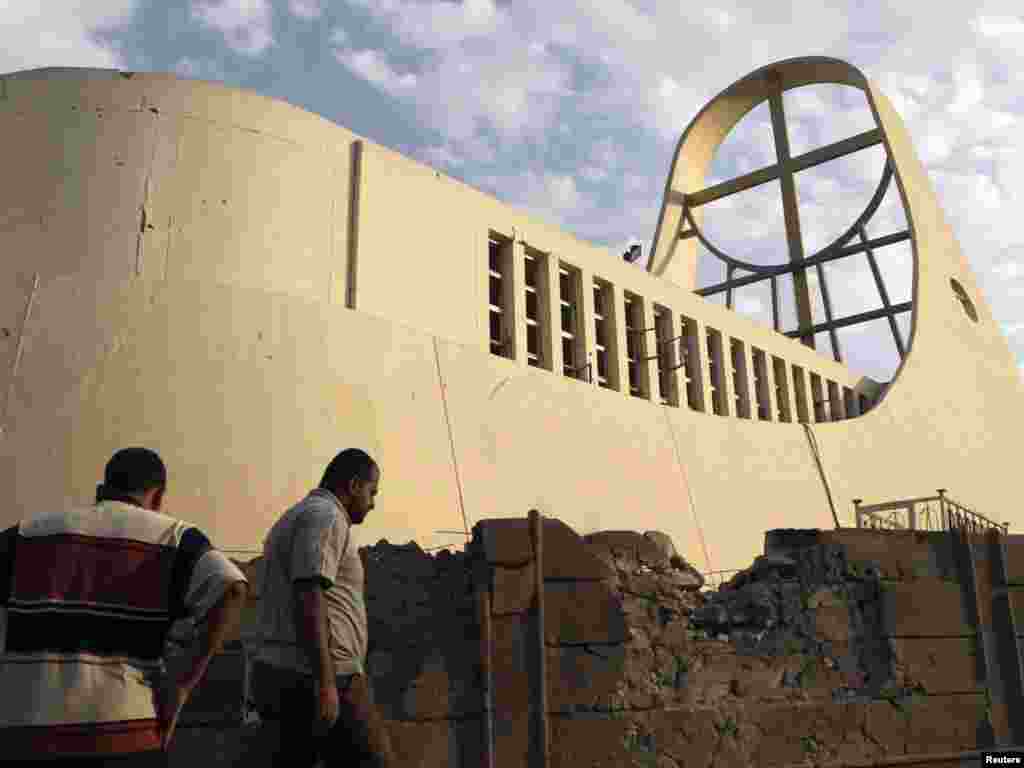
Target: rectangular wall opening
x=782, y=389
x=689, y=347
x=740, y=378
x=636, y=345
x=849, y=402
x=502, y=322
x=538, y=325
x=818, y=398
x=666, y=355
x=800, y=394
x=761, y=385
x=604, y=341
x=715, y=371
x=573, y=355
x=835, y=410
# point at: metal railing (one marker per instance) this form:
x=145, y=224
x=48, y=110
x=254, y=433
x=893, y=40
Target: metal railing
x=928, y=513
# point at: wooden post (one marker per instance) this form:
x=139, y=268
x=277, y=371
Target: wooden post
x=483, y=603
x=541, y=689
x=856, y=511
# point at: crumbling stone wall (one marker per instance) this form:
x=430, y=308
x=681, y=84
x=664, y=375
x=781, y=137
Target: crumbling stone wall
x=835, y=647
x=423, y=658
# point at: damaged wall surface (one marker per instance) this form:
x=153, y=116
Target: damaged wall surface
x=838, y=648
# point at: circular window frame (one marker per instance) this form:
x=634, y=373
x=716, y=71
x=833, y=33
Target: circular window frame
x=964, y=299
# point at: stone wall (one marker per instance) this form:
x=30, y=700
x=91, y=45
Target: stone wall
x=423, y=658
x=834, y=648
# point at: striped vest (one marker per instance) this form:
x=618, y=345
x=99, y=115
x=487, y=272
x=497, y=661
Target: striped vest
x=86, y=600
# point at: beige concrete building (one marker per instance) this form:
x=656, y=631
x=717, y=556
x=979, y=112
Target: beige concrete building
x=248, y=288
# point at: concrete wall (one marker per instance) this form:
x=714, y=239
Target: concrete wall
x=852, y=648
x=178, y=269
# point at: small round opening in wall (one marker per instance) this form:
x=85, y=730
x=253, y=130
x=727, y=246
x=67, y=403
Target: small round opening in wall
x=961, y=294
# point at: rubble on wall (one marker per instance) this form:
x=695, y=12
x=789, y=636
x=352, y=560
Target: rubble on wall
x=659, y=670
x=787, y=628
x=424, y=644
x=785, y=662
x=811, y=603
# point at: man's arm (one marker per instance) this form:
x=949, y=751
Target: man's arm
x=221, y=621
x=310, y=615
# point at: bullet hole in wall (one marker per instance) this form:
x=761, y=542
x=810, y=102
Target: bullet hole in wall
x=6, y=332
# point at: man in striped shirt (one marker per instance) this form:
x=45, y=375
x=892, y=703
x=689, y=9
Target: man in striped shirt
x=87, y=597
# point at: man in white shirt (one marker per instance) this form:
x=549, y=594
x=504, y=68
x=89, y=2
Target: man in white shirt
x=309, y=672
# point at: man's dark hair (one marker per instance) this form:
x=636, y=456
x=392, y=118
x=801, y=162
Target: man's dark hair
x=350, y=463
x=134, y=470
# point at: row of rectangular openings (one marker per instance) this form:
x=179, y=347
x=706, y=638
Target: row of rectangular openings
x=829, y=401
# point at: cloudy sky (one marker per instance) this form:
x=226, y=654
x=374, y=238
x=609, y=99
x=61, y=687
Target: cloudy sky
x=572, y=109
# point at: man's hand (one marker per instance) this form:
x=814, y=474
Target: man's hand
x=325, y=714
x=171, y=697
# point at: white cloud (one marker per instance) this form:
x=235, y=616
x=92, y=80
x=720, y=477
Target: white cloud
x=245, y=24
x=437, y=26
x=374, y=67
x=548, y=196
x=720, y=18
x=750, y=305
x=440, y=156
x=562, y=191
x=33, y=38
x=200, y=69
x=476, y=149
x=306, y=9
x=1009, y=271
x=604, y=157
x=1008, y=30
x=672, y=106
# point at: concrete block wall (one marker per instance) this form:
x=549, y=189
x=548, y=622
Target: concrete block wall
x=423, y=660
x=836, y=648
